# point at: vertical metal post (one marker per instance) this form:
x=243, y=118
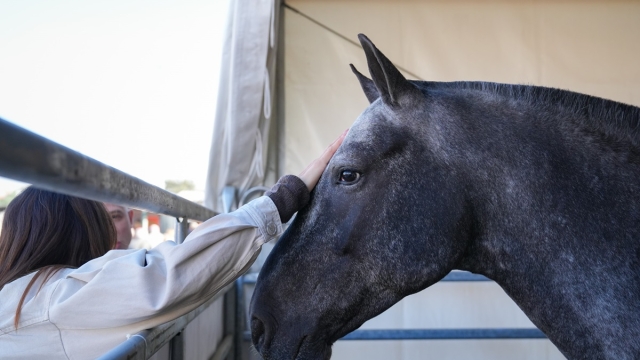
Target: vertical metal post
x=239, y=318
x=229, y=201
x=280, y=93
x=230, y=303
x=176, y=345
x=145, y=221
x=182, y=228
x=229, y=198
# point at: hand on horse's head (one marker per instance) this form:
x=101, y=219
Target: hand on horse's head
x=311, y=174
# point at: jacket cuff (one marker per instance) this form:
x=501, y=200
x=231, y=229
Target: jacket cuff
x=289, y=194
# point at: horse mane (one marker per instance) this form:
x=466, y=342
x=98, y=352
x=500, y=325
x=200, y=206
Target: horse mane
x=614, y=119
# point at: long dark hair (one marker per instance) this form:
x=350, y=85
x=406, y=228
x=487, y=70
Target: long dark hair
x=44, y=231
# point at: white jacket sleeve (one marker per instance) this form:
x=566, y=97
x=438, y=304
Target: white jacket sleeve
x=148, y=288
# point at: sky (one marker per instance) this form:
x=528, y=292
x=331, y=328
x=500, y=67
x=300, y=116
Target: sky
x=130, y=83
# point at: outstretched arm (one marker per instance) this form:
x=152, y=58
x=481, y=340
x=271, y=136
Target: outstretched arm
x=170, y=279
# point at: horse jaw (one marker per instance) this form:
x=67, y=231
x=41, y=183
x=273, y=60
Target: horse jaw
x=311, y=320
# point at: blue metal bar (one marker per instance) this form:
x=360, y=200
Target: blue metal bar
x=249, y=278
x=452, y=276
x=464, y=276
x=442, y=334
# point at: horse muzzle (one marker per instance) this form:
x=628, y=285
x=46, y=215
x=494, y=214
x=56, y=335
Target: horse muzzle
x=274, y=343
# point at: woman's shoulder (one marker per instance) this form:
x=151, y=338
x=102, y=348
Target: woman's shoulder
x=63, y=282
x=35, y=304
x=12, y=292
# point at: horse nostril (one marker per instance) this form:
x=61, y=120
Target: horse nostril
x=257, y=333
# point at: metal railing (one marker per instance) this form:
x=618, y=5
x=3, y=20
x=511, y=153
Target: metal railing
x=31, y=158
x=147, y=342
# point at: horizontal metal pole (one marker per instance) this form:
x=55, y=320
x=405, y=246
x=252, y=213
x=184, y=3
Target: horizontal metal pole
x=249, y=278
x=144, y=344
x=464, y=276
x=438, y=334
x=452, y=276
x=444, y=334
x=31, y=158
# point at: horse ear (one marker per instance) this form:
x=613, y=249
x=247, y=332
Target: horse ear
x=391, y=85
x=367, y=85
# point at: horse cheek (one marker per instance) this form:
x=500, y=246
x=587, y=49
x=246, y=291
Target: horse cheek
x=343, y=235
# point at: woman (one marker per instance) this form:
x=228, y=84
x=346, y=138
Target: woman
x=64, y=295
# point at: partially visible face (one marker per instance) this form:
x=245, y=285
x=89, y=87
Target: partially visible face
x=122, y=219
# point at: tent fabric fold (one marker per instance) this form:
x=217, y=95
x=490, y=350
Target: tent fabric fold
x=244, y=113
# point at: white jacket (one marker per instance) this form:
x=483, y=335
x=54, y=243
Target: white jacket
x=83, y=313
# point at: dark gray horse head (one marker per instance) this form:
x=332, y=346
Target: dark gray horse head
x=535, y=188
x=342, y=244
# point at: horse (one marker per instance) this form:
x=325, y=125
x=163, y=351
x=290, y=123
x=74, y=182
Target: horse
x=535, y=188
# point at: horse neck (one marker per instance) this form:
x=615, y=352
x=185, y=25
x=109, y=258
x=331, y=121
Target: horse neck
x=543, y=185
x=552, y=223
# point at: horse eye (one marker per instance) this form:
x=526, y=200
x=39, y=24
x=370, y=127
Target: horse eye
x=349, y=176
